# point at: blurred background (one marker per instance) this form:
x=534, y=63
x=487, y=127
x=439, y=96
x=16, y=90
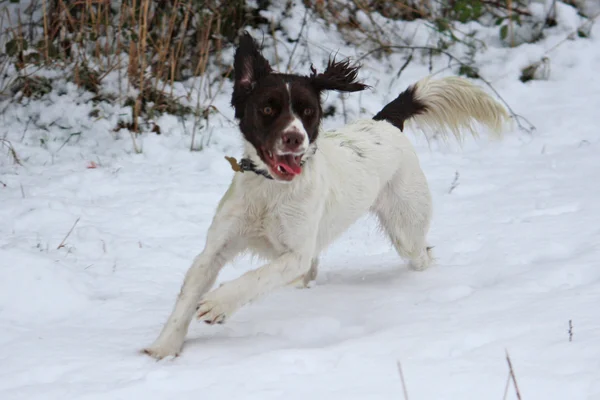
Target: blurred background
x=152, y=67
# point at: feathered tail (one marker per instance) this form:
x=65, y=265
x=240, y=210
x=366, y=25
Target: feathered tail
x=450, y=104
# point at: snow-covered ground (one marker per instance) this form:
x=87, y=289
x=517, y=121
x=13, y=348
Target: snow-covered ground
x=517, y=242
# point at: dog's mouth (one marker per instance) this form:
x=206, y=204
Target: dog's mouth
x=283, y=166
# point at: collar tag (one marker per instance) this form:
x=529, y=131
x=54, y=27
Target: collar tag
x=234, y=164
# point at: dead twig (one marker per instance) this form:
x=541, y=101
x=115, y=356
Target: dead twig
x=454, y=183
x=62, y=244
x=67, y=140
x=403, y=67
x=506, y=387
x=404, y=390
x=512, y=376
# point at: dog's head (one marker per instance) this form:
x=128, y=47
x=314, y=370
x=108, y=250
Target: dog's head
x=280, y=114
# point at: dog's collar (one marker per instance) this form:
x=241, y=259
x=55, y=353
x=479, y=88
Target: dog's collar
x=246, y=164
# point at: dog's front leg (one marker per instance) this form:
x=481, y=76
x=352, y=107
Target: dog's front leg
x=222, y=302
x=198, y=280
x=225, y=240
x=296, y=229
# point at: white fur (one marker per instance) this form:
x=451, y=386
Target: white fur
x=294, y=125
x=454, y=104
x=365, y=166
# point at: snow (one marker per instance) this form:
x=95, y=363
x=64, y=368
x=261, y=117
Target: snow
x=516, y=243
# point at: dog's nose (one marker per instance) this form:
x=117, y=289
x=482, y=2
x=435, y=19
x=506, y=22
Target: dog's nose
x=292, y=140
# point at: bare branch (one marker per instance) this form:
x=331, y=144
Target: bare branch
x=403, y=67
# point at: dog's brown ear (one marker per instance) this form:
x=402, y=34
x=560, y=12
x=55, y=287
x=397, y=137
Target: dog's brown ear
x=248, y=63
x=338, y=75
x=248, y=67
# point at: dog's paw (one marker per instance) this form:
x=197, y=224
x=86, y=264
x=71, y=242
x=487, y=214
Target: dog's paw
x=423, y=261
x=215, y=309
x=162, y=350
x=211, y=312
x=418, y=265
x=307, y=280
x=305, y=285
x=302, y=283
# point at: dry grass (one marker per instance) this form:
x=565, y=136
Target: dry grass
x=154, y=45
x=151, y=44
x=343, y=14
x=511, y=378
x=11, y=150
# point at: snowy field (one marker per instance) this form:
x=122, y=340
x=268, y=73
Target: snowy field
x=517, y=242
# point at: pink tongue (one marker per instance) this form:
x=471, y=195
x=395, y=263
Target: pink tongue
x=289, y=164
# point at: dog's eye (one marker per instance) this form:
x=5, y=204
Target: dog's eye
x=267, y=110
x=308, y=111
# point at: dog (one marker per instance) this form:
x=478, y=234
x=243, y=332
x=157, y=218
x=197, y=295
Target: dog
x=298, y=189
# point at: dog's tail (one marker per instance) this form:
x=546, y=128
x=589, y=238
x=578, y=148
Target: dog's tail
x=447, y=104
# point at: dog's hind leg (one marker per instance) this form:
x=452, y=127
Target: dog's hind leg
x=404, y=211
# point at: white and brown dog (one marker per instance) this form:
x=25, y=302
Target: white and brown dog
x=303, y=188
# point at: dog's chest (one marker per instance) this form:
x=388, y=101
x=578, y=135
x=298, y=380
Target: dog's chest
x=278, y=222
